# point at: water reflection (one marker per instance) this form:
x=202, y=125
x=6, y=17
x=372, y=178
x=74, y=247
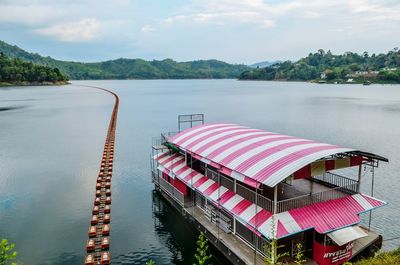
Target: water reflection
x=171, y=227
x=50, y=153
x=11, y=108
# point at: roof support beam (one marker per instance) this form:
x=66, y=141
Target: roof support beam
x=275, y=199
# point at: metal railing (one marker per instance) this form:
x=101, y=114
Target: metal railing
x=170, y=189
x=335, y=180
x=304, y=200
x=157, y=140
x=160, y=140
x=166, y=135
x=241, y=190
x=250, y=195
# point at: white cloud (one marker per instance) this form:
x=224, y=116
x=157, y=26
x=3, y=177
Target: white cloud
x=266, y=14
x=82, y=31
x=268, y=23
x=27, y=14
x=312, y=14
x=147, y=28
x=234, y=30
x=171, y=20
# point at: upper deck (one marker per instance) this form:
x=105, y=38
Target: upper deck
x=257, y=157
x=265, y=183
x=274, y=172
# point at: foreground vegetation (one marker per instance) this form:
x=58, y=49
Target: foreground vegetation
x=7, y=253
x=17, y=72
x=131, y=68
x=326, y=67
x=382, y=258
x=202, y=253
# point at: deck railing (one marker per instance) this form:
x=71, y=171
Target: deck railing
x=170, y=189
x=258, y=199
x=336, y=180
x=340, y=186
x=308, y=199
x=241, y=190
x=157, y=140
x=166, y=135
x=160, y=140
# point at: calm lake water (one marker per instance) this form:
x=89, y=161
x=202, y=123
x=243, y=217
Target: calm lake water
x=51, y=142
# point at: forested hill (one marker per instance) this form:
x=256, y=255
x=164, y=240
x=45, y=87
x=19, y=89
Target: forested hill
x=326, y=67
x=131, y=68
x=16, y=72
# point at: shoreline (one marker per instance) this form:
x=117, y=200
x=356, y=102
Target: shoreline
x=322, y=83
x=59, y=83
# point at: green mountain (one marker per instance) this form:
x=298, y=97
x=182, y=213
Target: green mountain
x=263, y=64
x=14, y=71
x=326, y=67
x=131, y=68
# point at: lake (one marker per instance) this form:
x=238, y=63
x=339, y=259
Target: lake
x=51, y=141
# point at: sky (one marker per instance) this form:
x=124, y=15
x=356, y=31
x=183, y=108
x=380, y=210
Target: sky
x=235, y=31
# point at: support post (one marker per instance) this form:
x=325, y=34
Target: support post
x=372, y=194
x=359, y=177
x=255, y=214
x=219, y=207
x=273, y=219
x=275, y=199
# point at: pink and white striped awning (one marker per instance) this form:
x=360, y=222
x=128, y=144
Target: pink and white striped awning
x=252, y=155
x=323, y=217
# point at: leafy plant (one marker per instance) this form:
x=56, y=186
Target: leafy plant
x=6, y=252
x=382, y=258
x=150, y=262
x=272, y=257
x=299, y=258
x=202, y=254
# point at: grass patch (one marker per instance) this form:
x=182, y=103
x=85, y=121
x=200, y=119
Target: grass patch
x=382, y=258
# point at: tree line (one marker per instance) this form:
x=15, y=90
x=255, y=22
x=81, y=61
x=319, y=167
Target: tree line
x=130, y=68
x=15, y=71
x=325, y=65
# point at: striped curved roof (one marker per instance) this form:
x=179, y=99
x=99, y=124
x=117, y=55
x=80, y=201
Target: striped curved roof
x=251, y=154
x=323, y=216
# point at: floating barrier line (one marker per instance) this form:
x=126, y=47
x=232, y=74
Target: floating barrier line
x=98, y=244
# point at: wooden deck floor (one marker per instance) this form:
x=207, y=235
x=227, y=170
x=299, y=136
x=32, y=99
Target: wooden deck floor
x=235, y=244
x=364, y=242
x=303, y=187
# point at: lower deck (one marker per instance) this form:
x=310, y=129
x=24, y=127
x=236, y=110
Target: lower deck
x=234, y=246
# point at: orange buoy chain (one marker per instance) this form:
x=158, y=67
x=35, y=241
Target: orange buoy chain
x=98, y=244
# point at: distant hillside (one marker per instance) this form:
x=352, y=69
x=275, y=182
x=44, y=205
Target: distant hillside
x=326, y=67
x=131, y=68
x=263, y=64
x=16, y=72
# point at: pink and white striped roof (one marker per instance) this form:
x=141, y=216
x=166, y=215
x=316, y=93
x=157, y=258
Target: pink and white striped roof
x=324, y=217
x=252, y=155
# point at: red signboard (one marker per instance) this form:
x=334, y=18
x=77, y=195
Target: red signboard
x=332, y=255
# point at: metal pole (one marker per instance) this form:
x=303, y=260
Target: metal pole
x=372, y=194
x=275, y=199
x=191, y=185
x=359, y=177
x=219, y=206
x=273, y=220
x=255, y=228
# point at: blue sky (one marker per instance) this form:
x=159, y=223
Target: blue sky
x=236, y=31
